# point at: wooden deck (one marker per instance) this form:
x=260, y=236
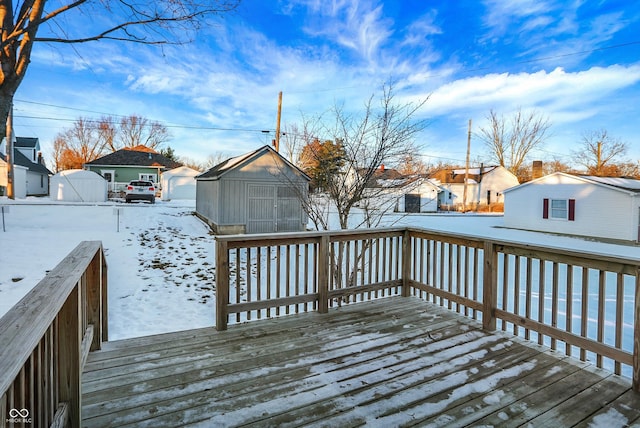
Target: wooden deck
x=391, y=362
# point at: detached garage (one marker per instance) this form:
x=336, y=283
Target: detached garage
x=258, y=192
x=179, y=183
x=77, y=185
x=603, y=207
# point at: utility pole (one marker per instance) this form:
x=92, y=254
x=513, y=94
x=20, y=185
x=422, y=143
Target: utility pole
x=599, y=159
x=466, y=170
x=278, y=122
x=11, y=194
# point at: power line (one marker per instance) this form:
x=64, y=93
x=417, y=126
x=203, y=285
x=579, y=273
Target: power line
x=204, y=128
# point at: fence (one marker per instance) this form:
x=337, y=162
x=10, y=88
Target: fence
x=587, y=304
x=46, y=337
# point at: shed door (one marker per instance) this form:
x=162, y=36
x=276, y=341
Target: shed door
x=289, y=210
x=261, y=216
x=412, y=203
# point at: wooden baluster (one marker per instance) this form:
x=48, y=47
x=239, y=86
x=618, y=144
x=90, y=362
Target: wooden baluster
x=489, y=286
x=222, y=284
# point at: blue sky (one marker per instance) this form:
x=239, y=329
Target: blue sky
x=577, y=62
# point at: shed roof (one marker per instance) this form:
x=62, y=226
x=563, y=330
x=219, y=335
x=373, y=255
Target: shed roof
x=236, y=162
x=131, y=157
x=80, y=174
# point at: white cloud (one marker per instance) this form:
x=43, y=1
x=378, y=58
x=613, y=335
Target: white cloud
x=360, y=26
x=556, y=89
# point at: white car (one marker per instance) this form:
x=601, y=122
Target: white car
x=140, y=190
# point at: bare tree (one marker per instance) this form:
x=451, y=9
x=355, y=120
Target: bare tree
x=599, y=152
x=26, y=22
x=136, y=130
x=215, y=159
x=381, y=134
x=291, y=141
x=88, y=139
x=412, y=165
x=78, y=145
x=510, y=140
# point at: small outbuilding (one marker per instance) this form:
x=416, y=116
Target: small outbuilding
x=77, y=185
x=421, y=196
x=179, y=183
x=258, y=192
x=603, y=207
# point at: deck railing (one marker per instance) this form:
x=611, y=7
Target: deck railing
x=46, y=337
x=585, y=304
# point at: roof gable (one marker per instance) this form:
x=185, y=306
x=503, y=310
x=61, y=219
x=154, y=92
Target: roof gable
x=27, y=143
x=626, y=185
x=457, y=175
x=239, y=161
x=130, y=157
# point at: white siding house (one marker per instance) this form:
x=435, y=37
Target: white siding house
x=578, y=205
x=485, y=185
x=419, y=196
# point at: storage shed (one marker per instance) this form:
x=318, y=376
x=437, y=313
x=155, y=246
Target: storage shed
x=258, y=192
x=179, y=183
x=603, y=207
x=77, y=185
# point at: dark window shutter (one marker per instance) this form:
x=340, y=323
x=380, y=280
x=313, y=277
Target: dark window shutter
x=572, y=209
x=545, y=208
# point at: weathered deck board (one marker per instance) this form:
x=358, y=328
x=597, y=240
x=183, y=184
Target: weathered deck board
x=392, y=362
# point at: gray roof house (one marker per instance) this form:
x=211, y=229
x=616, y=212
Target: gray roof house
x=27, y=154
x=258, y=192
x=136, y=163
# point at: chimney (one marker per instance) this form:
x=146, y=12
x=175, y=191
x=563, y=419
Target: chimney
x=537, y=170
x=381, y=167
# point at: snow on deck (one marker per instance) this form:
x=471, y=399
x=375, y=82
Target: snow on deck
x=392, y=362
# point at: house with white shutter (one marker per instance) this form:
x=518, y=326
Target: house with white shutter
x=601, y=207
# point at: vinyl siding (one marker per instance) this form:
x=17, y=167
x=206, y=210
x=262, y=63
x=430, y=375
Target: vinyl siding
x=599, y=211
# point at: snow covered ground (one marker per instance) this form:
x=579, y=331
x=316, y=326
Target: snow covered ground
x=161, y=262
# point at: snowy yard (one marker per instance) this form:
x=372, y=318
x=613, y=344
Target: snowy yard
x=161, y=262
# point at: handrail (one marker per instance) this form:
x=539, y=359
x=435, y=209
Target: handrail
x=46, y=337
x=496, y=282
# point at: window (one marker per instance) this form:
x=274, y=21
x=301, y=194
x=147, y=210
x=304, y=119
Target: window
x=108, y=175
x=559, y=209
x=147, y=177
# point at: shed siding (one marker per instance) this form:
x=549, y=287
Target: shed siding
x=598, y=211
x=253, y=198
x=206, y=197
x=232, y=197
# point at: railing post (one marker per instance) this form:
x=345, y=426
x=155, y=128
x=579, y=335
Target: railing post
x=94, y=298
x=222, y=284
x=104, y=295
x=406, y=262
x=489, y=286
x=636, y=335
x=68, y=358
x=323, y=274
